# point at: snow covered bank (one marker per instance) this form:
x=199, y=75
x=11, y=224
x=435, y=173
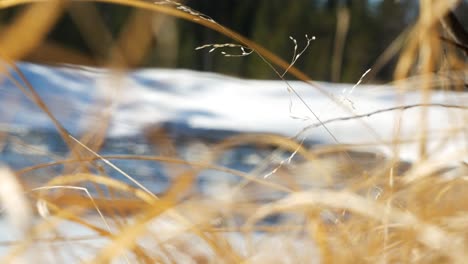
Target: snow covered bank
x=80, y=96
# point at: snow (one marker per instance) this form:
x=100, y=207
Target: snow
x=80, y=96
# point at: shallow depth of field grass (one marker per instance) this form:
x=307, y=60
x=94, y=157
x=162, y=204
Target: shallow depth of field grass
x=380, y=214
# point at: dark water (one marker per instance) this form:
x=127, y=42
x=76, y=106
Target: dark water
x=22, y=149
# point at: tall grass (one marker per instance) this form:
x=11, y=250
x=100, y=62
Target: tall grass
x=382, y=213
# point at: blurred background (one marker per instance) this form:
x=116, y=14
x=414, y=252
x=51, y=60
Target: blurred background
x=350, y=35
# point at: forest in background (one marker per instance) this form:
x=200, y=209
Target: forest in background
x=367, y=28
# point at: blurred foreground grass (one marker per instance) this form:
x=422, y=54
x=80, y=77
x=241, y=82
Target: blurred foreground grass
x=382, y=213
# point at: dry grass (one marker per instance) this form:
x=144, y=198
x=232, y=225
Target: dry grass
x=342, y=206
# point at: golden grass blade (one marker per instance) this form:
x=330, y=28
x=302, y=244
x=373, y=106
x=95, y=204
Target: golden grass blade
x=120, y=207
x=127, y=238
x=163, y=159
x=422, y=38
x=52, y=52
x=93, y=29
x=25, y=34
x=64, y=187
x=102, y=180
x=430, y=235
x=116, y=168
x=262, y=139
x=182, y=183
x=343, y=18
x=134, y=40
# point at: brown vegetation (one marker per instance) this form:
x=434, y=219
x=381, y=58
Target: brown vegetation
x=360, y=208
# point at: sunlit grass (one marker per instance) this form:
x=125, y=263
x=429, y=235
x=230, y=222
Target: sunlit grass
x=378, y=214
